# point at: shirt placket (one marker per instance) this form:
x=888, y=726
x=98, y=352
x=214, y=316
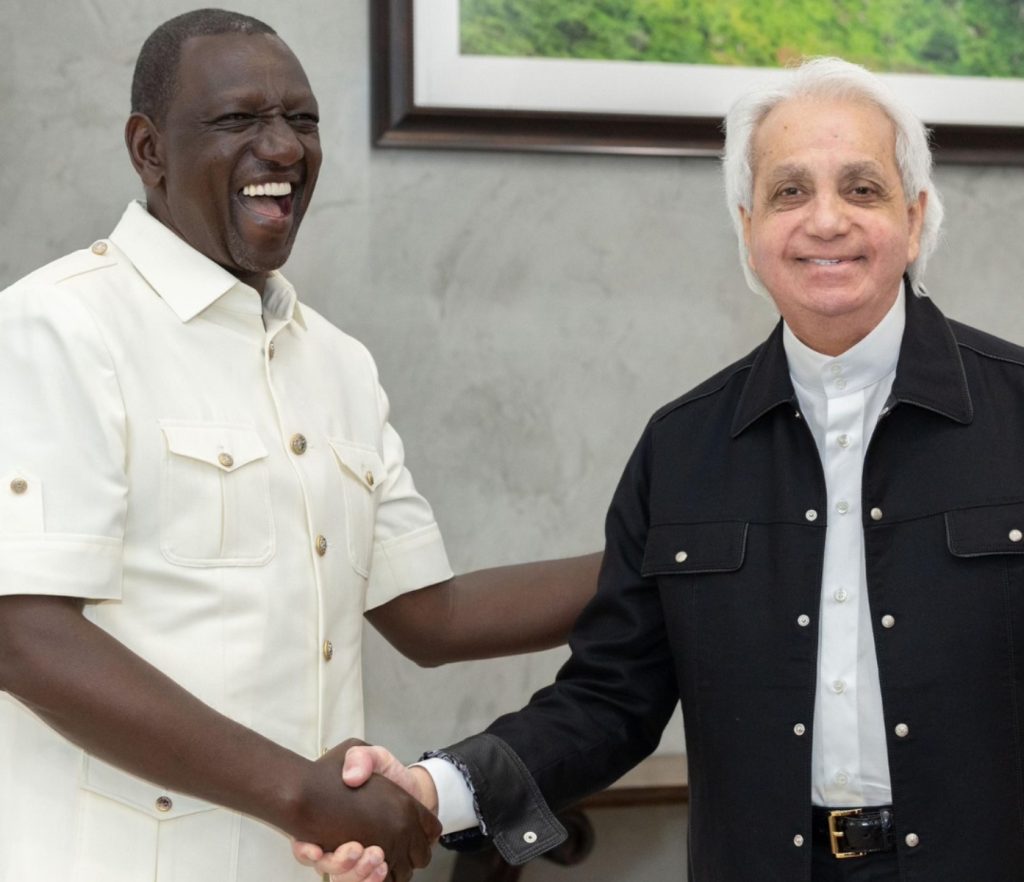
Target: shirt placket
x=307, y=454
x=837, y=726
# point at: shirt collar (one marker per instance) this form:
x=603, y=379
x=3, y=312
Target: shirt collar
x=864, y=364
x=189, y=282
x=280, y=301
x=929, y=370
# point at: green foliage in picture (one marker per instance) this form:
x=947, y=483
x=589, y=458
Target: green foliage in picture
x=956, y=37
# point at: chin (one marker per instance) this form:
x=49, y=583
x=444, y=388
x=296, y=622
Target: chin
x=252, y=259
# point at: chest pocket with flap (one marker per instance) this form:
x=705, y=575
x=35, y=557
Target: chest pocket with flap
x=158, y=802
x=692, y=549
x=215, y=496
x=362, y=471
x=986, y=530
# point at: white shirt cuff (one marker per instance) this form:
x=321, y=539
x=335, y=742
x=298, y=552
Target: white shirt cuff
x=454, y=798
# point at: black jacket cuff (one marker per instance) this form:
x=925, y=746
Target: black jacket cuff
x=512, y=812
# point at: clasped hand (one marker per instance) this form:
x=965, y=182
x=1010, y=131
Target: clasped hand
x=352, y=862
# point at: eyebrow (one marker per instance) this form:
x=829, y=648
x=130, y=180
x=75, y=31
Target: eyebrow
x=798, y=172
x=787, y=172
x=864, y=169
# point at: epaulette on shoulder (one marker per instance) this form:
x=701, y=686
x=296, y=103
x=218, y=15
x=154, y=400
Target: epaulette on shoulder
x=86, y=260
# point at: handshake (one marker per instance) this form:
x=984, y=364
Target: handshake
x=389, y=818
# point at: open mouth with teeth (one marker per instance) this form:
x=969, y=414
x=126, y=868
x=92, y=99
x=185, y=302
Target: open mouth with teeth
x=273, y=200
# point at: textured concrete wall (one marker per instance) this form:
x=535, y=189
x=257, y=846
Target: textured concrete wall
x=527, y=312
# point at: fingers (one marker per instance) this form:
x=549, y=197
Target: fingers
x=358, y=766
x=361, y=762
x=351, y=863
x=306, y=853
x=373, y=875
x=370, y=867
x=338, y=862
x=364, y=761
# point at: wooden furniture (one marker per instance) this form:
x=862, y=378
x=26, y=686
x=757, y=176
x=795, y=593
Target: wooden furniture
x=659, y=780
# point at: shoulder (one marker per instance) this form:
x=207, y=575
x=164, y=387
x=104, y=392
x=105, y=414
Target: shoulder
x=986, y=346
x=66, y=269
x=56, y=292
x=340, y=344
x=726, y=384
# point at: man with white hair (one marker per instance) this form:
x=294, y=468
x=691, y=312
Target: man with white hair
x=818, y=551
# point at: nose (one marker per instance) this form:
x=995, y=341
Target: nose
x=278, y=142
x=827, y=216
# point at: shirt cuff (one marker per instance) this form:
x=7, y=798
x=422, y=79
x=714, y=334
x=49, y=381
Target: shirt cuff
x=407, y=563
x=67, y=565
x=455, y=807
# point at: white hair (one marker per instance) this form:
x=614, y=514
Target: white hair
x=830, y=78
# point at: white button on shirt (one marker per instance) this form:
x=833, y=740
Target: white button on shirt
x=841, y=399
x=154, y=434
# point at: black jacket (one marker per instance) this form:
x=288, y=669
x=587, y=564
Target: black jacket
x=729, y=474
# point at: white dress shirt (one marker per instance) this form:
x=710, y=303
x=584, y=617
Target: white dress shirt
x=217, y=477
x=841, y=399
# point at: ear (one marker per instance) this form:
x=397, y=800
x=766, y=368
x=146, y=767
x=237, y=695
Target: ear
x=142, y=138
x=745, y=220
x=915, y=218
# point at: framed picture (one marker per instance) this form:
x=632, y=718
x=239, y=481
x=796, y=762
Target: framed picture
x=453, y=73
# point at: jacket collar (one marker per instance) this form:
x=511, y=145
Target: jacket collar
x=929, y=373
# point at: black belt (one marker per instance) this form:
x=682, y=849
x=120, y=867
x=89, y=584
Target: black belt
x=855, y=832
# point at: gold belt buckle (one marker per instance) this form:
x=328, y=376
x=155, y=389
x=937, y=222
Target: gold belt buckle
x=834, y=834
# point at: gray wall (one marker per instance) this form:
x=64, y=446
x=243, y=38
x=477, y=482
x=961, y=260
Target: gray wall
x=527, y=312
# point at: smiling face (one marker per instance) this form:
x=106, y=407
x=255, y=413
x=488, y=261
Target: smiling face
x=830, y=232
x=232, y=167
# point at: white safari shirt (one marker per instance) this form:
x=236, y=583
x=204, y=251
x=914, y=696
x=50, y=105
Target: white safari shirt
x=216, y=476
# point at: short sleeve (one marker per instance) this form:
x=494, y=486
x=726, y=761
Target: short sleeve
x=408, y=551
x=62, y=449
